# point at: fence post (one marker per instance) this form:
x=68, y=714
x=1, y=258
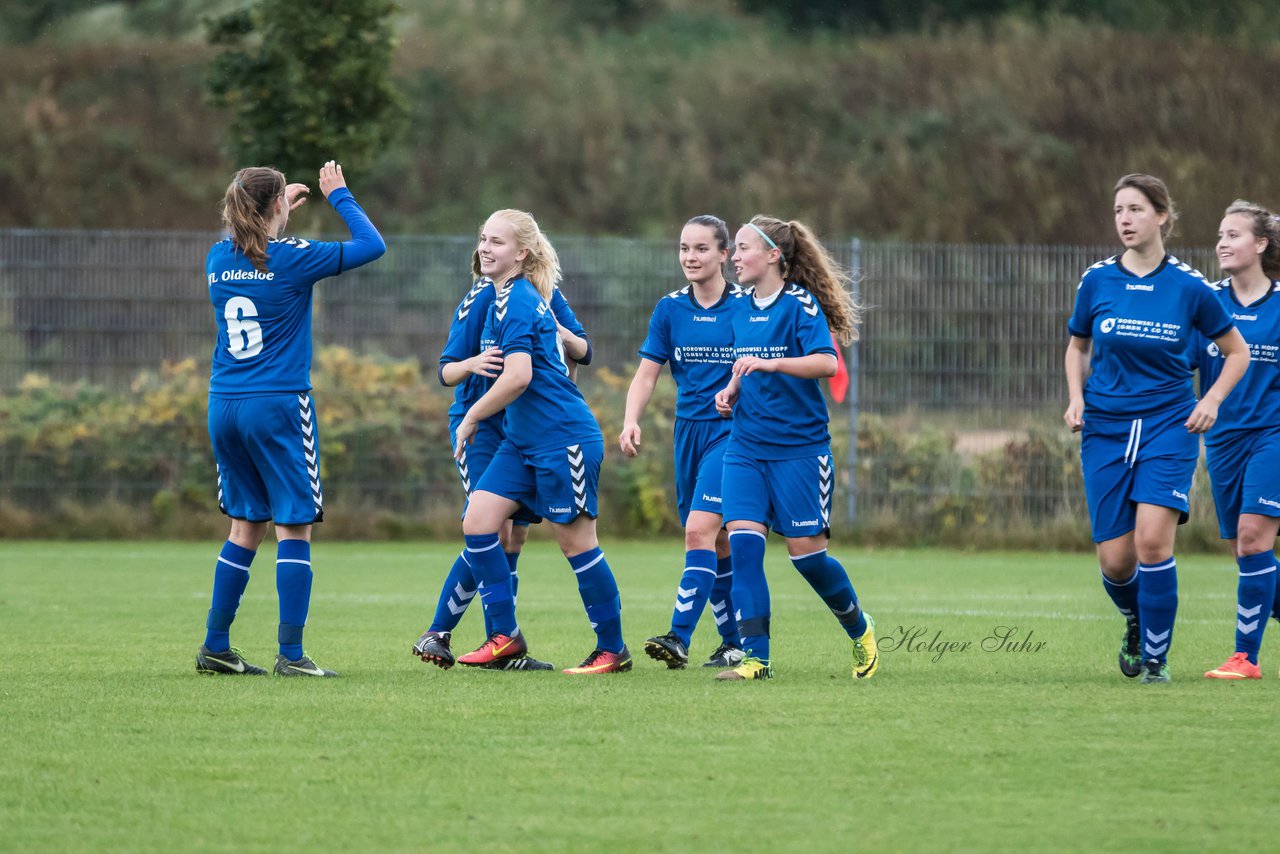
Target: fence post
x=855, y=371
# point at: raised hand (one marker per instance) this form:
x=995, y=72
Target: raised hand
x=331, y=178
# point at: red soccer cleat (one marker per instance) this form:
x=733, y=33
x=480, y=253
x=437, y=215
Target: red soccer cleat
x=498, y=647
x=600, y=661
x=1237, y=666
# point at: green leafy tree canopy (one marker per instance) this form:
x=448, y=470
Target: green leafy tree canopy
x=306, y=81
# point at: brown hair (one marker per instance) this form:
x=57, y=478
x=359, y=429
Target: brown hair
x=806, y=262
x=541, y=266
x=717, y=226
x=1265, y=225
x=1157, y=194
x=247, y=211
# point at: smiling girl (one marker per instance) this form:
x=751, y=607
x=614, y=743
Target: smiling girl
x=549, y=459
x=778, y=469
x=471, y=369
x=1132, y=336
x=690, y=330
x=1243, y=448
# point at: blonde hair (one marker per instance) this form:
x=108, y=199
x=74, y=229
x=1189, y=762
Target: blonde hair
x=1266, y=225
x=542, y=265
x=247, y=213
x=806, y=262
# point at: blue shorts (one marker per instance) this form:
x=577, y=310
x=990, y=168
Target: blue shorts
x=558, y=485
x=268, y=454
x=476, y=458
x=793, y=497
x=1148, y=460
x=699, y=458
x=1245, y=473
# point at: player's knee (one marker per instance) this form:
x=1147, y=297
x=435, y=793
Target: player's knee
x=701, y=536
x=1253, y=538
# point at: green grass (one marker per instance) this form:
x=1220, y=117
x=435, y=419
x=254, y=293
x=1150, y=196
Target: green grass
x=110, y=740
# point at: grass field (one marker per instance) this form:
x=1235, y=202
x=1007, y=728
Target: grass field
x=111, y=741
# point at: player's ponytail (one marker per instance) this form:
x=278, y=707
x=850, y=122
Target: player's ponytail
x=247, y=211
x=542, y=265
x=1266, y=225
x=807, y=262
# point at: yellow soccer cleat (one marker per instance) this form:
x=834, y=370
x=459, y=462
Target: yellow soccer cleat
x=866, y=658
x=750, y=668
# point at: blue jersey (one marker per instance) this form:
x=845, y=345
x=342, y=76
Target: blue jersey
x=1144, y=336
x=264, y=319
x=698, y=342
x=550, y=413
x=465, y=334
x=780, y=417
x=1255, y=401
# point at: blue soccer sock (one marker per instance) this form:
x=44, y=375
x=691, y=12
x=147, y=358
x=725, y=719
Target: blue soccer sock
x=830, y=581
x=1124, y=594
x=456, y=594
x=493, y=576
x=230, y=576
x=513, y=560
x=1257, y=590
x=293, y=586
x=599, y=592
x=750, y=591
x=693, y=591
x=722, y=603
x=1157, y=607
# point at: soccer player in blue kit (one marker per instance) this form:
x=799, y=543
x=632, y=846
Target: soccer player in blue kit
x=1243, y=448
x=778, y=469
x=549, y=459
x=1133, y=334
x=261, y=417
x=691, y=331
x=471, y=370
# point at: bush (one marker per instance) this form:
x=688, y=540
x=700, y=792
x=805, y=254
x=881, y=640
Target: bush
x=77, y=460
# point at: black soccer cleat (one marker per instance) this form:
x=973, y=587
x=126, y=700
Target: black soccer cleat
x=301, y=667
x=229, y=663
x=668, y=649
x=1131, y=648
x=433, y=648
x=524, y=662
x=726, y=655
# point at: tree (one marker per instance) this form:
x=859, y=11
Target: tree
x=306, y=81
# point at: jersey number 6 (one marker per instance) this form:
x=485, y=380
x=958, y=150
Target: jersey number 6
x=244, y=336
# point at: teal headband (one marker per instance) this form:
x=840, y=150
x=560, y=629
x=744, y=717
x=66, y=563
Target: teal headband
x=767, y=239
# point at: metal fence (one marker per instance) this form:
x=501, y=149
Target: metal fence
x=960, y=353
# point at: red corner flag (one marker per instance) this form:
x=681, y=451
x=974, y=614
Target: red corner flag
x=840, y=382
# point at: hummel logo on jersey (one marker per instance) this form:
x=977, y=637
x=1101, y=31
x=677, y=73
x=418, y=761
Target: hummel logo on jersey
x=1245, y=316
x=1178, y=495
x=1269, y=502
x=704, y=318
x=714, y=499
x=559, y=509
x=802, y=524
x=1132, y=287
x=763, y=318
